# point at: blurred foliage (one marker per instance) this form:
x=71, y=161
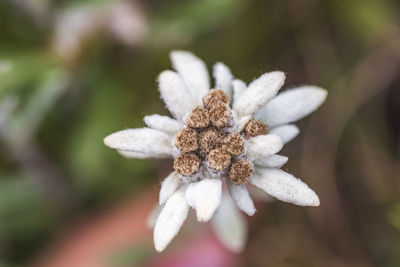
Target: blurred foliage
x=131, y=256
x=369, y=21
x=27, y=70
x=183, y=22
x=70, y=74
x=25, y=215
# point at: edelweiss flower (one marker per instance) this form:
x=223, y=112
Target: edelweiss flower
x=221, y=140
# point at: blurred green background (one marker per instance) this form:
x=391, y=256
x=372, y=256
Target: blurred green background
x=72, y=72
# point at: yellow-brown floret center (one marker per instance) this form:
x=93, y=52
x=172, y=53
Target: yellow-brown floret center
x=187, y=164
x=198, y=118
x=219, y=159
x=208, y=138
x=254, y=128
x=233, y=144
x=214, y=96
x=220, y=115
x=241, y=171
x=186, y=140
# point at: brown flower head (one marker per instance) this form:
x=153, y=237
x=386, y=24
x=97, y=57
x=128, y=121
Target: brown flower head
x=187, y=164
x=254, y=128
x=214, y=96
x=241, y=171
x=220, y=115
x=218, y=159
x=186, y=140
x=209, y=139
x=198, y=118
x=234, y=144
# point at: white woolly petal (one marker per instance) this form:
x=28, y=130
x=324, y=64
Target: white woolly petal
x=175, y=95
x=292, y=105
x=170, y=219
x=259, y=92
x=259, y=195
x=241, y=123
x=142, y=140
x=193, y=72
x=285, y=187
x=223, y=78
x=239, y=87
x=263, y=146
x=287, y=132
x=242, y=198
x=152, y=217
x=229, y=225
x=273, y=161
x=163, y=123
x=205, y=197
x=139, y=155
x=169, y=187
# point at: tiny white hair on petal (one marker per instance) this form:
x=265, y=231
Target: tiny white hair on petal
x=287, y=132
x=142, y=140
x=241, y=122
x=193, y=72
x=239, y=87
x=284, y=186
x=170, y=219
x=242, y=198
x=205, y=197
x=263, y=146
x=173, y=91
x=259, y=92
x=169, y=187
x=152, y=217
x=259, y=195
x=273, y=161
x=223, y=78
x=292, y=105
x=229, y=225
x=139, y=155
x=163, y=123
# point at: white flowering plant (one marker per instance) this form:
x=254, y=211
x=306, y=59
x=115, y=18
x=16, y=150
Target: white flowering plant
x=222, y=140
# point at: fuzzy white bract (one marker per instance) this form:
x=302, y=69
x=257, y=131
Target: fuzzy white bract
x=212, y=193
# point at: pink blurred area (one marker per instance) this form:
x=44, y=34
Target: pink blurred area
x=202, y=251
x=89, y=242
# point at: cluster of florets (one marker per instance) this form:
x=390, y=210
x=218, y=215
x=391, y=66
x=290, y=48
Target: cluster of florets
x=209, y=141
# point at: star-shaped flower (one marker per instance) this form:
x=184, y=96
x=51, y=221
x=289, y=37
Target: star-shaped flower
x=221, y=139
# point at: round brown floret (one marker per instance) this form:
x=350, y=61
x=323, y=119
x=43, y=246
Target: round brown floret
x=198, y=118
x=187, y=164
x=186, y=140
x=254, y=128
x=218, y=159
x=234, y=144
x=220, y=115
x=213, y=96
x=209, y=139
x=241, y=171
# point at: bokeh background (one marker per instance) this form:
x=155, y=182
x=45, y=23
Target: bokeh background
x=73, y=71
